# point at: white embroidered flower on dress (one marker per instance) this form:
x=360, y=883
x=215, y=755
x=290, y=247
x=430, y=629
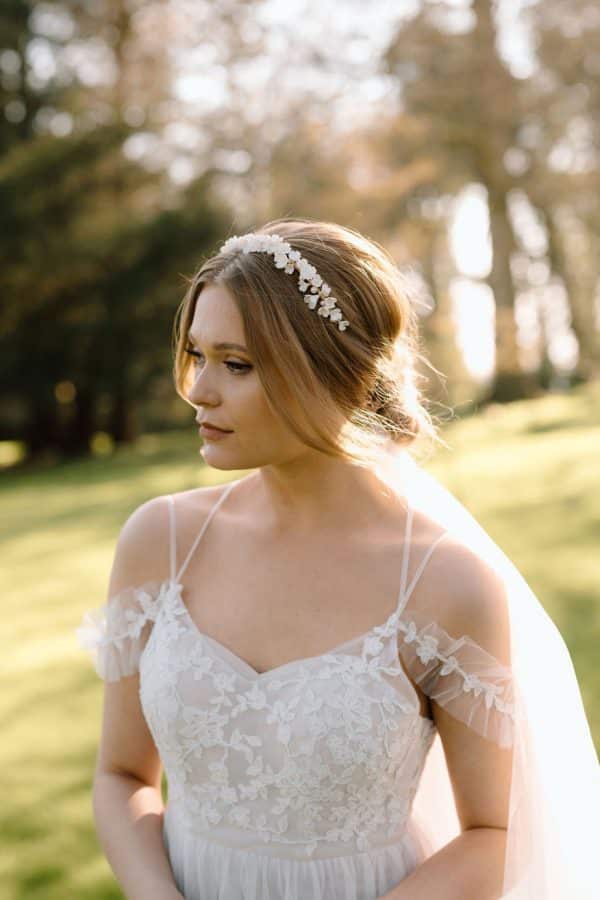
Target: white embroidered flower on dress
x=149, y=604
x=92, y=633
x=427, y=648
x=135, y=623
x=282, y=713
x=372, y=646
x=411, y=633
x=240, y=815
x=312, y=703
x=201, y=667
x=229, y=795
x=451, y=665
x=491, y=692
x=472, y=683
x=225, y=681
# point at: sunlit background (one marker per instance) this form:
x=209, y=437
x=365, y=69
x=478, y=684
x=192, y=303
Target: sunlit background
x=135, y=136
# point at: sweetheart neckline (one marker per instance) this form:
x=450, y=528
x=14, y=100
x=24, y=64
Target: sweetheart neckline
x=425, y=722
x=255, y=674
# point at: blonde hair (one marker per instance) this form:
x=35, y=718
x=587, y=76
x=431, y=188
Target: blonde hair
x=346, y=394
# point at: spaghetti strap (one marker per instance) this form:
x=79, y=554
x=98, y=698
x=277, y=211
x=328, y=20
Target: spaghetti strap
x=213, y=510
x=172, y=545
x=404, y=571
x=404, y=594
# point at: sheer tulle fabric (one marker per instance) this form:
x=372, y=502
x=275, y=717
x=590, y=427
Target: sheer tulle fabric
x=460, y=676
x=116, y=633
x=553, y=831
x=225, y=872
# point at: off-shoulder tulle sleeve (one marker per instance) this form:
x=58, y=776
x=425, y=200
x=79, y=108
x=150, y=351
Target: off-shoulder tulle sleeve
x=459, y=675
x=116, y=633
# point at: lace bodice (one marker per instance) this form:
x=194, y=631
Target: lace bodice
x=319, y=756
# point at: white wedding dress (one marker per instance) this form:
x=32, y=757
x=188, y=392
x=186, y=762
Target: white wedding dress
x=297, y=782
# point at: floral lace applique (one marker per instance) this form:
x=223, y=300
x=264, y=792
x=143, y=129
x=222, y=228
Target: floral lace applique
x=328, y=750
x=115, y=633
x=325, y=750
x=461, y=676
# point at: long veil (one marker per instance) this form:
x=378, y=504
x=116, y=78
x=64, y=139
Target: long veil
x=554, y=810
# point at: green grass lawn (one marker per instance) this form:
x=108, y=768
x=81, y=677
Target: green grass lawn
x=527, y=471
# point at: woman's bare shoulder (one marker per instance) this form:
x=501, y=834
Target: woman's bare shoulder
x=462, y=591
x=454, y=557
x=198, y=500
x=194, y=505
x=143, y=544
x=142, y=547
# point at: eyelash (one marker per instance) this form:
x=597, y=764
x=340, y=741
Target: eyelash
x=235, y=368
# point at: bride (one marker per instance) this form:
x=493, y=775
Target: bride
x=351, y=690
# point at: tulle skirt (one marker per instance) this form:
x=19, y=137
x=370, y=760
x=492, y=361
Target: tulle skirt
x=206, y=868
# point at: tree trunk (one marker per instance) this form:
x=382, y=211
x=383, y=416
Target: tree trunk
x=123, y=419
x=80, y=429
x=43, y=429
x=580, y=295
x=510, y=382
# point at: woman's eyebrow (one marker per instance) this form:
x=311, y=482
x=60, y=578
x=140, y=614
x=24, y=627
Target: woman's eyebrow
x=222, y=345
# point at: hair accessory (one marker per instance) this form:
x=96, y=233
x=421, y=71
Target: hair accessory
x=290, y=260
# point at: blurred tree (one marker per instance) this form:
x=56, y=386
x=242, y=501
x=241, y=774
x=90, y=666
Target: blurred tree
x=93, y=242
x=21, y=96
x=96, y=294
x=459, y=88
x=563, y=138
x=107, y=105
x=398, y=187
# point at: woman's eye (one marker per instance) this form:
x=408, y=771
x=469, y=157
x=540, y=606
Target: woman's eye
x=237, y=368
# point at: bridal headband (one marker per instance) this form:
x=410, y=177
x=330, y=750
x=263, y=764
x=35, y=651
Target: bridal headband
x=290, y=260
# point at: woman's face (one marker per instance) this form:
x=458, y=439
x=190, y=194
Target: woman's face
x=227, y=392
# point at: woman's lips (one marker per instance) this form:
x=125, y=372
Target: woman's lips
x=212, y=433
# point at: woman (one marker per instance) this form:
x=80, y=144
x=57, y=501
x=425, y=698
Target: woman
x=352, y=691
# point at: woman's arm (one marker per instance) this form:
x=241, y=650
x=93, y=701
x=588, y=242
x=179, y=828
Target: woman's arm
x=128, y=816
x=127, y=798
x=468, y=868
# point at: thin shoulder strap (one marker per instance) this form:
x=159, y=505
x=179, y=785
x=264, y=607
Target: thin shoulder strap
x=211, y=513
x=172, y=545
x=405, y=554
x=405, y=593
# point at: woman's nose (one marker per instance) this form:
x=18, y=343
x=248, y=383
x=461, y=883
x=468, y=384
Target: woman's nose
x=200, y=392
